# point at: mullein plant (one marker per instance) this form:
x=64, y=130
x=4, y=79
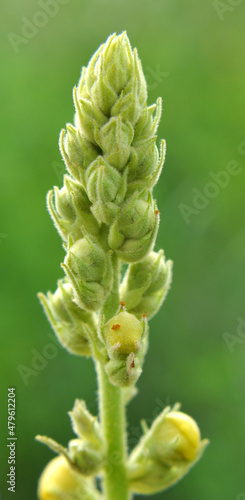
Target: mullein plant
x=107, y=217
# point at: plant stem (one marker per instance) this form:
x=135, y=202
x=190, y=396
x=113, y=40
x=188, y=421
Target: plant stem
x=113, y=421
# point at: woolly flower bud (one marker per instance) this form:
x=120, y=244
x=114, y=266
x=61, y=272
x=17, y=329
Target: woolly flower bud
x=58, y=480
x=115, y=138
x=67, y=319
x=106, y=189
x=77, y=151
x=90, y=271
x=112, y=118
x=69, y=208
x=85, y=457
x=125, y=339
x=115, y=70
x=84, y=424
x=166, y=452
x=146, y=283
x=133, y=233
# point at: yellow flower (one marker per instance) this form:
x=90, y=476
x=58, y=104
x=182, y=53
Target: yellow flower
x=59, y=479
x=188, y=433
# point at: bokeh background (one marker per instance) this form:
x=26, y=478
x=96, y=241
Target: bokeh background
x=193, y=56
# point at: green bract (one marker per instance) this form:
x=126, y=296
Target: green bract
x=106, y=215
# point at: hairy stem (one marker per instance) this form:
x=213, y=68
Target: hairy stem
x=112, y=415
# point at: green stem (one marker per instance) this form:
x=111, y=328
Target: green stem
x=112, y=415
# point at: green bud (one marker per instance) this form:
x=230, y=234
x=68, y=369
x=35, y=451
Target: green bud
x=84, y=424
x=146, y=284
x=102, y=92
x=133, y=95
x=147, y=123
x=69, y=208
x=124, y=372
x=165, y=453
x=115, y=139
x=118, y=61
x=133, y=233
x=90, y=271
x=88, y=118
x=67, y=319
x=85, y=457
x=106, y=189
x=77, y=152
x=147, y=159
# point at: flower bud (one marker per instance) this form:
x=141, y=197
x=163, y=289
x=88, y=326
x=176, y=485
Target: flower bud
x=133, y=233
x=88, y=118
x=123, y=333
x=67, y=319
x=84, y=424
x=124, y=372
x=106, y=190
x=85, y=457
x=115, y=139
x=118, y=61
x=125, y=339
x=147, y=159
x=145, y=284
x=147, y=123
x=77, y=152
x=165, y=453
x=90, y=271
x=59, y=480
x=69, y=208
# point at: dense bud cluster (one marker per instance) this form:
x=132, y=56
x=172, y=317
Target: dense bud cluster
x=106, y=209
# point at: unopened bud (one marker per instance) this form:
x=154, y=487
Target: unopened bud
x=146, y=283
x=133, y=233
x=84, y=424
x=90, y=271
x=70, y=322
x=115, y=139
x=85, y=457
x=106, y=190
x=69, y=208
x=77, y=151
x=125, y=339
x=123, y=333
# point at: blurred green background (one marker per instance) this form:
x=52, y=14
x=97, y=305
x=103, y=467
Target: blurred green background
x=193, y=56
